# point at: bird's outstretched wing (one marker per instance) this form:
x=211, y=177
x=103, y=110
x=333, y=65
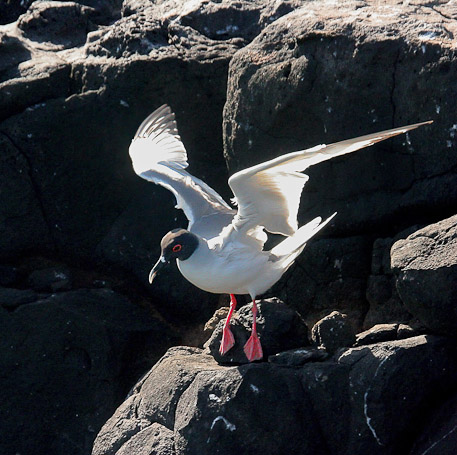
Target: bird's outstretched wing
x=268, y=194
x=158, y=155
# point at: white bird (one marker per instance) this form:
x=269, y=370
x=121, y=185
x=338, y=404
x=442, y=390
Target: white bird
x=222, y=249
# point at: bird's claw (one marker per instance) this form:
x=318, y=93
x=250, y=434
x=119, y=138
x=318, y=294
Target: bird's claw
x=227, y=341
x=253, y=348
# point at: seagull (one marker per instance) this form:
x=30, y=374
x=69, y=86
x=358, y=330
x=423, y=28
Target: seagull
x=221, y=251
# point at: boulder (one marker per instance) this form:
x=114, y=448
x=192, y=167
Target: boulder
x=279, y=327
x=213, y=408
x=426, y=267
x=372, y=399
x=385, y=305
x=62, y=24
x=67, y=360
x=333, y=332
x=342, y=405
x=50, y=279
x=298, y=357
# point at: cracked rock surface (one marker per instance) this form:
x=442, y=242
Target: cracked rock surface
x=330, y=72
x=190, y=404
x=425, y=264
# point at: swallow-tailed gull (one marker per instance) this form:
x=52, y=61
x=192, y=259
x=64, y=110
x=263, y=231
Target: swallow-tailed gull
x=221, y=251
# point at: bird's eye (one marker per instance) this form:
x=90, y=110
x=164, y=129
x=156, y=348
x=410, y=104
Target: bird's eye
x=177, y=248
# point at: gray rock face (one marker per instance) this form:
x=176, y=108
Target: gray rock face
x=385, y=305
x=76, y=80
x=385, y=332
x=330, y=274
x=328, y=72
x=440, y=431
x=333, y=332
x=340, y=406
x=72, y=93
x=426, y=268
x=63, y=24
x=67, y=360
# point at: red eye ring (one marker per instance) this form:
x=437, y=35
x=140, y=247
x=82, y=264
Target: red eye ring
x=177, y=248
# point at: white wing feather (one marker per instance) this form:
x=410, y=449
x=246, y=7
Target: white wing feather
x=158, y=155
x=268, y=194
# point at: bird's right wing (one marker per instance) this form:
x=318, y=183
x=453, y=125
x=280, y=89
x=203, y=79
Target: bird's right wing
x=268, y=194
x=158, y=155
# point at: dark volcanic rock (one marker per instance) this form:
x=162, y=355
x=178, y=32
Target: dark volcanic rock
x=329, y=275
x=64, y=24
x=426, y=268
x=50, y=279
x=67, y=360
x=356, y=397
x=333, y=332
x=388, y=332
x=71, y=190
x=377, y=334
x=440, y=431
x=9, y=275
x=331, y=71
x=211, y=408
x=298, y=357
x=342, y=406
x=11, y=298
x=279, y=328
x=22, y=221
x=382, y=295
x=76, y=80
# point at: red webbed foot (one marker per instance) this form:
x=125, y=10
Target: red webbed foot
x=227, y=341
x=253, y=348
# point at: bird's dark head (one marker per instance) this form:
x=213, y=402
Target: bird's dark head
x=176, y=244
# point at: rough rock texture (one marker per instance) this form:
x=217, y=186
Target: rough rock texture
x=341, y=406
x=385, y=305
x=279, y=327
x=329, y=72
x=72, y=356
x=330, y=274
x=440, y=431
x=387, y=332
x=76, y=80
x=426, y=267
x=333, y=332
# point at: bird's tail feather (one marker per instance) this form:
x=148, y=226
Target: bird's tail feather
x=292, y=246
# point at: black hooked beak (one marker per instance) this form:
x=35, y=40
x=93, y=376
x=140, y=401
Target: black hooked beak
x=160, y=264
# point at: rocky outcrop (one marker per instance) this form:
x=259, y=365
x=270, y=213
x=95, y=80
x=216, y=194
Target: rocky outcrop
x=426, y=268
x=281, y=327
x=329, y=72
x=190, y=404
x=67, y=360
x=76, y=80
x=333, y=332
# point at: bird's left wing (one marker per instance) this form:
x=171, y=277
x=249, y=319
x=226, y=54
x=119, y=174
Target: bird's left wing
x=158, y=155
x=268, y=194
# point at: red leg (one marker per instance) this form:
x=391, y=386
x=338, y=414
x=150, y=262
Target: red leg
x=253, y=348
x=228, y=341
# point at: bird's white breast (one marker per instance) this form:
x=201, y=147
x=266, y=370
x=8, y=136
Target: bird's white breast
x=242, y=271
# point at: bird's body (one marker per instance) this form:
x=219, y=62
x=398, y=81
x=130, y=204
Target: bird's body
x=230, y=268
x=222, y=250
